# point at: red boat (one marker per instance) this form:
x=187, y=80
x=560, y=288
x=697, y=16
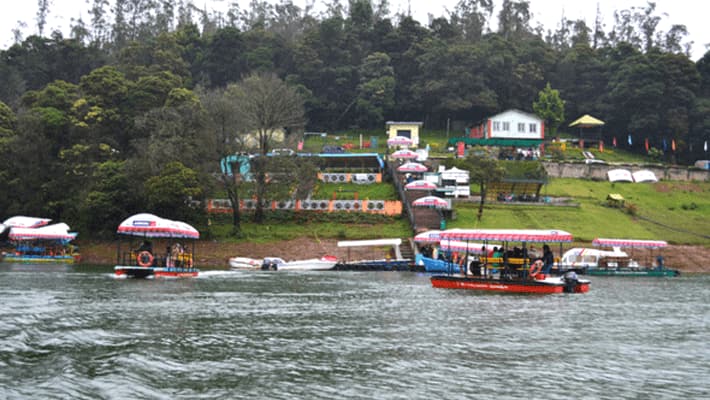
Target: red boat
x=508, y=271
x=548, y=285
x=145, y=262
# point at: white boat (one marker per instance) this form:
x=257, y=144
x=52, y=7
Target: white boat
x=393, y=260
x=279, y=264
x=580, y=258
x=245, y=263
x=615, y=262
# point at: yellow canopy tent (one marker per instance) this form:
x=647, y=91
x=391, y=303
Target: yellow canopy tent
x=587, y=121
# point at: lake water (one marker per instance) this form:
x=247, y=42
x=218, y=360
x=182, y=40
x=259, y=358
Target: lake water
x=76, y=332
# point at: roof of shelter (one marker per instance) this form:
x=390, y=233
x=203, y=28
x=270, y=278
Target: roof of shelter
x=350, y=160
x=586, y=121
x=404, y=123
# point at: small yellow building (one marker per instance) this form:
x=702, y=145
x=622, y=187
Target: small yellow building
x=406, y=129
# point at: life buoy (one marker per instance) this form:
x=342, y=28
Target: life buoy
x=535, y=269
x=145, y=258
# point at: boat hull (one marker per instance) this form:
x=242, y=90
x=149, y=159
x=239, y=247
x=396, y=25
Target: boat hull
x=437, y=266
x=154, y=272
x=307, y=265
x=277, y=264
x=377, y=265
x=23, y=259
x=245, y=263
x=547, y=286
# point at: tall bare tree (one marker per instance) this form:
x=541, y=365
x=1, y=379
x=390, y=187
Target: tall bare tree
x=266, y=108
x=224, y=124
x=42, y=13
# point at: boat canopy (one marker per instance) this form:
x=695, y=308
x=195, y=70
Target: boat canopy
x=468, y=247
x=629, y=243
x=50, y=232
x=510, y=235
x=25, y=222
x=149, y=225
x=373, y=242
x=431, y=236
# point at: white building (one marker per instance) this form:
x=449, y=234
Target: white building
x=514, y=124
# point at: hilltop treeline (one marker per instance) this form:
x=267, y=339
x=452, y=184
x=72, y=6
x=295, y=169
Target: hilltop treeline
x=89, y=122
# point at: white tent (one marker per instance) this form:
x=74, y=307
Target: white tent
x=620, y=175
x=644, y=176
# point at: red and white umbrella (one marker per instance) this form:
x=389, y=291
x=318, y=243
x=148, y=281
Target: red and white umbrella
x=431, y=201
x=420, y=185
x=427, y=237
x=629, y=243
x=405, y=154
x=508, y=235
x=25, y=222
x=149, y=225
x=50, y=232
x=399, y=141
x=412, y=167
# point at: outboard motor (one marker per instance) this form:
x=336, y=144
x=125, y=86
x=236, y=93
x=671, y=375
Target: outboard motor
x=571, y=281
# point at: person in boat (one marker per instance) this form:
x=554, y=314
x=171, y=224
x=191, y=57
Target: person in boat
x=659, y=263
x=146, y=246
x=548, y=259
x=533, y=253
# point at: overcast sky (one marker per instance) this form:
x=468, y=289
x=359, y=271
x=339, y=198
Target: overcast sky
x=546, y=12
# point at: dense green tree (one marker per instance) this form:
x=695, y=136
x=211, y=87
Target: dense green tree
x=223, y=62
x=375, y=91
x=173, y=193
x=8, y=121
x=550, y=107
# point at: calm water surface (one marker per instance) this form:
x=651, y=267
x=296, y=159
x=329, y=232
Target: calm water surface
x=78, y=333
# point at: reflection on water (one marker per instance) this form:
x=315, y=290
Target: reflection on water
x=78, y=333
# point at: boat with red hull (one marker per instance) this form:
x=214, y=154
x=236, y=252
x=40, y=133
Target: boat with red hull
x=503, y=273
x=145, y=262
x=549, y=285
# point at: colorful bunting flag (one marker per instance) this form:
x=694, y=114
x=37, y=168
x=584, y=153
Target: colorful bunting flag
x=705, y=147
x=673, y=144
x=601, y=146
x=646, y=144
x=614, y=141
x=630, y=143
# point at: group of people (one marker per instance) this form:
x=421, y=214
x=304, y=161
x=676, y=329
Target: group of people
x=175, y=255
x=530, y=254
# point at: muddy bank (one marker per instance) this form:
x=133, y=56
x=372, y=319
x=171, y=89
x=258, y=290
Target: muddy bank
x=212, y=254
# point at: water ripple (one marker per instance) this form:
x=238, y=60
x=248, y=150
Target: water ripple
x=83, y=335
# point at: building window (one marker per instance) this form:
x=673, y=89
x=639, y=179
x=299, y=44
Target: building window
x=533, y=128
x=506, y=126
x=496, y=126
x=521, y=127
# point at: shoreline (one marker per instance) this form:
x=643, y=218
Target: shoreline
x=215, y=254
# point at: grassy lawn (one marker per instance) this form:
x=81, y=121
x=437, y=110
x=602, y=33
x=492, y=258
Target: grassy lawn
x=314, y=225
x=347, y=191
x=678, y=212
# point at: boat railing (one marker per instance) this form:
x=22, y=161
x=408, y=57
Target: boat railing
x=131, y=257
